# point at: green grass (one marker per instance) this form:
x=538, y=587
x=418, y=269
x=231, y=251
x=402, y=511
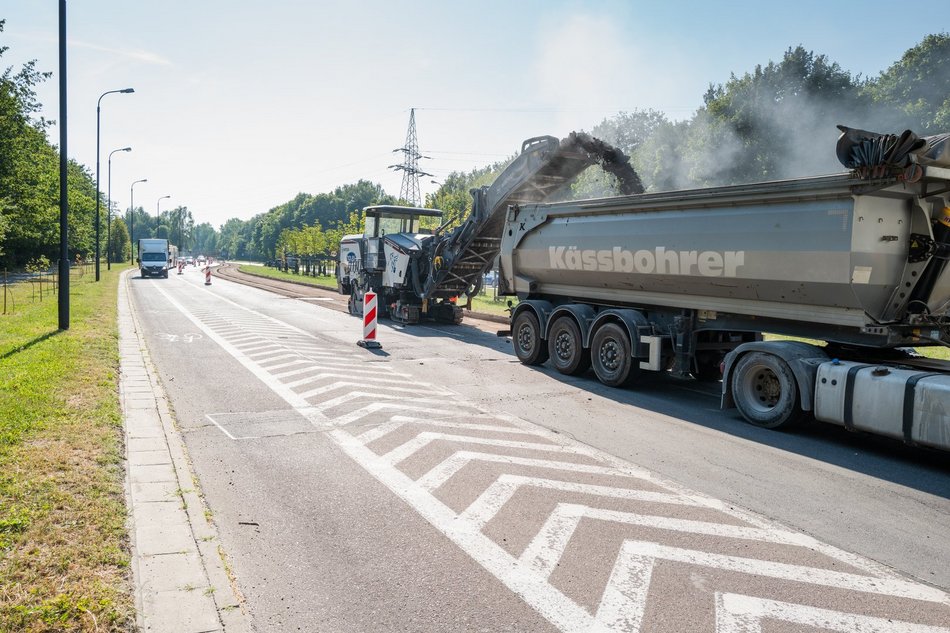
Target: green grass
x=486, y=304
x=63, y=544
x=325, y=281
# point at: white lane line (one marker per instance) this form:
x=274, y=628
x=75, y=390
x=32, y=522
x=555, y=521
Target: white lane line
x=223, y=430
x=548, y=546
x=397, y=422
x=376, y=407
x=243, y=341
x=553, y=605
x=356, y=395
x=383, y=393
x=641, y=551
x=454, y=463
x=294, y=372
x=425, y=438
x=345, y=367
x=292, y=363
x=624, y=601
x=503, y=489
x=270, y=357
x=303, y=407
x=745, y=614
x=256, y=345
x=364, y=380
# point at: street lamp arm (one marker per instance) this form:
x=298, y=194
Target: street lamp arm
x=109, y=92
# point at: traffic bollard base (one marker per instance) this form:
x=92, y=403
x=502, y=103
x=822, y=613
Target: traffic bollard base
x=370, y=344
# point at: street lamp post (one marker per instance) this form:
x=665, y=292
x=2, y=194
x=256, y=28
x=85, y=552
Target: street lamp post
x=98, y=112
x=156, y=208
x=132, y=220
x=109, y=210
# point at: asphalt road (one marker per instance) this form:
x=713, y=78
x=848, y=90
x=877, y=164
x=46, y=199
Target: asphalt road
x=439, y=485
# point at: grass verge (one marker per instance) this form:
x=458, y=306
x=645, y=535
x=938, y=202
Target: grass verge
x=324, y=281
x=63, y=544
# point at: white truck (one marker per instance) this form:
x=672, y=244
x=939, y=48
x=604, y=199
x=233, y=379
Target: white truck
x=156, y=256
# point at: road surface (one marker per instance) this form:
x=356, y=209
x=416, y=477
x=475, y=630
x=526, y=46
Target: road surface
x=439, y=485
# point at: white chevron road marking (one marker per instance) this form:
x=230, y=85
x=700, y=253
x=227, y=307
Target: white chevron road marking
x=622, y=605
x=745, y=614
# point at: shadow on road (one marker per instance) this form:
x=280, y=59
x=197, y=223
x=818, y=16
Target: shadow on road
x=888, y=459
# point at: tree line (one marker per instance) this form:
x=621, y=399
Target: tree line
x=777, y=121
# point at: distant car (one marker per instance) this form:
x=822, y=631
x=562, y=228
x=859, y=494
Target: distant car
x=189, y=260
x=201, y=259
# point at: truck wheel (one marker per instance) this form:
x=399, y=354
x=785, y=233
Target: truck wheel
x=610, y=356
x=526, y=337
x=566, y=347
x=765, y=391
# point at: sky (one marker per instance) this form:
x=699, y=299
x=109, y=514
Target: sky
x=240, y=105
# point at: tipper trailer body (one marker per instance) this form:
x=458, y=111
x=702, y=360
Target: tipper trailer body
x=685, y=281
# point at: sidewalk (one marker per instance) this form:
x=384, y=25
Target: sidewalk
x=181, y=585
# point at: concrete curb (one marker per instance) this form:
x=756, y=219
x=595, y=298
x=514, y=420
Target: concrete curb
x=180, y=581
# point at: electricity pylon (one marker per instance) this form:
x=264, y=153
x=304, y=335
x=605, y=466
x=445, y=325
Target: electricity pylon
x=409, y=191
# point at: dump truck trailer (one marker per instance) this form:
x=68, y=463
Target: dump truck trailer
x=686, y=281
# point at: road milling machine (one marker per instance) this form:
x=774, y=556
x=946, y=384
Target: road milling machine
x=686, y=282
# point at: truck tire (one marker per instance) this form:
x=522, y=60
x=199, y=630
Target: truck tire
x=610, y=356
x=526, y=337
x=566, y=347
x=765, y=391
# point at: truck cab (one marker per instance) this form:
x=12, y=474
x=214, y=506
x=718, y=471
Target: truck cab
x=155, y=257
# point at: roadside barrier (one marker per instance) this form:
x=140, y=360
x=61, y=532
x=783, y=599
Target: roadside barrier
x=369, y=322
x=208, y=276
x=181, y=267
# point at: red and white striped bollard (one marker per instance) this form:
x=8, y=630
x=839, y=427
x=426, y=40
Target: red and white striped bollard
x=208, y=276
x=369, y=321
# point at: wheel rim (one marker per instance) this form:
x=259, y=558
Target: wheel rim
x=564, y=346
x=765, y=388
x=609, y=354
x=525, y=338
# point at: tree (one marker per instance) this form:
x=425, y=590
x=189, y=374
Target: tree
x=205, y=238
x=915, y=91
x=628, y=131
x=119, y=243
x=660, y=160
x=776, y=122
x=29, y=177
